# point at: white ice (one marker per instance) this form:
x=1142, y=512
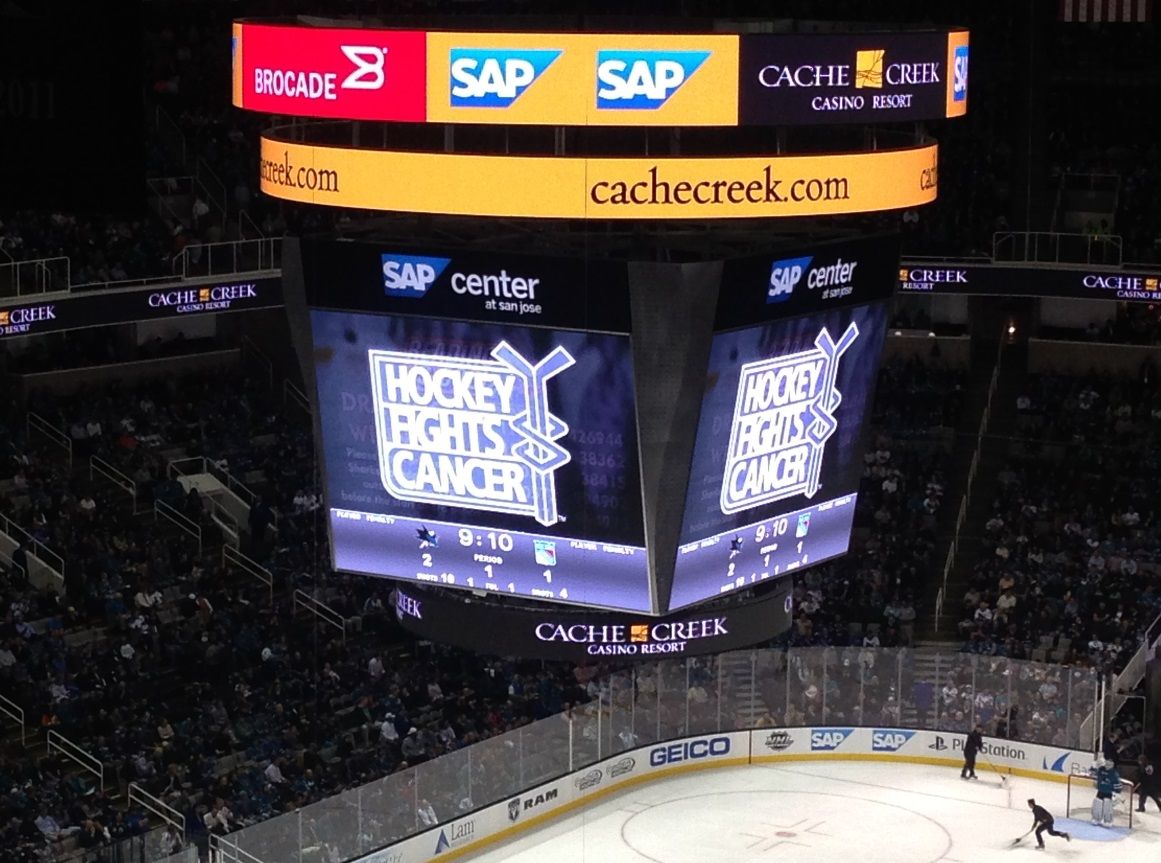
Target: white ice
x=851, y=812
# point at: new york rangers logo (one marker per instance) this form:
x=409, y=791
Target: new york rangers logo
x=470, y=433
x=783, y=417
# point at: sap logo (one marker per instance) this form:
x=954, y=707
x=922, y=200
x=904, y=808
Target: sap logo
x=828, y=739
x=643, y=79
x=959, y=82
x=784, y=277
x=693, y=750
x=369, y=73
x=495, y=78
x=889, y=741
x=411, y=275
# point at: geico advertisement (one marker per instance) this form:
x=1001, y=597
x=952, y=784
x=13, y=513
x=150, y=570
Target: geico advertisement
x=577, y=188
x=847, y=77
x=573, y=80
x=352, y=74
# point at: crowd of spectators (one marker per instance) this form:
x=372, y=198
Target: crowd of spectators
x=1069, y=564
x=869, y=597
x=184, y=676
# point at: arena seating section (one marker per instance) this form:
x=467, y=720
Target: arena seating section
x=192, y=681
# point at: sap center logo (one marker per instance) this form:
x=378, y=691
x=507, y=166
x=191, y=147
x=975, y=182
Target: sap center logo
x=502, y=455
x=785, y=276
x=410, y=275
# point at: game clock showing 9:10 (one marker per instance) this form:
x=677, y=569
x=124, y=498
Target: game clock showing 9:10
x=483, y=456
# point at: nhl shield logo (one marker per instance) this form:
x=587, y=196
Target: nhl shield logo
x=513, y=809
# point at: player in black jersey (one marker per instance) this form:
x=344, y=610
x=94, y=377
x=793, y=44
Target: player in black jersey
x=971, y=747
x=1044, y=823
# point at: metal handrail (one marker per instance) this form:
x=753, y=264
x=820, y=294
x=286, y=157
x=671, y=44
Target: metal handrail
x=973, y=470
x=225, y=850
x=35, y=276
x=98, y=465
x=163, y=509
x=259, y=356
x=226, y=520
x=32, y=546
x=35, y=422
x=227, y=480
x=14, y=712
x=70, y=750
x=158, y=807
x=291, y=393
x=268, y=251
x=321, y=610
x=233, y=557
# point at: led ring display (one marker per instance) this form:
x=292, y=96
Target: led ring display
x=600, y=79
x=600, y=188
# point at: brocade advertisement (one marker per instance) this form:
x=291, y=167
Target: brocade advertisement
x=778, y=452
x=483, y=456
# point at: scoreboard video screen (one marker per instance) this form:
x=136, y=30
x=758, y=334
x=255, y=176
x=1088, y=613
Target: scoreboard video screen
x=778, y=452
x=480, y=426
x=470, y=442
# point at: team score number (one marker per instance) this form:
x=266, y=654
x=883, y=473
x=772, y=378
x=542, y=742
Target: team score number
x=494, y=541
x=27, y=100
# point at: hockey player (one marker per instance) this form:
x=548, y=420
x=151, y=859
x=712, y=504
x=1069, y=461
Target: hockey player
x=971, y=747
x=1108, y=783
x=1044, y=823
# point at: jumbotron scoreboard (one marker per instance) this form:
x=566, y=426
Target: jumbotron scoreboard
x=483, y=417
x=478, y=422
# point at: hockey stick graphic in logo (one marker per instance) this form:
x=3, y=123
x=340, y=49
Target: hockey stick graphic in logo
x=457, y=431
x=783, y=417
x=539, y=428
x=827, y=402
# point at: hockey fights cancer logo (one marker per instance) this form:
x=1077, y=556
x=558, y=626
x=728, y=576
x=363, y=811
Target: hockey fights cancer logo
x=783, y=417
x=473, y=433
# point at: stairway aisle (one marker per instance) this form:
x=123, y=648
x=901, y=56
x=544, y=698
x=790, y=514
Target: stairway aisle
x=993, y=453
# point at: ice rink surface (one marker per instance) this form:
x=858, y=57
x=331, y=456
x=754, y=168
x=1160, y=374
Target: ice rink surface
x=854, y=812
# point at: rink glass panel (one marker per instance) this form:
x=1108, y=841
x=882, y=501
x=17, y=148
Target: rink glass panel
x=688, y=696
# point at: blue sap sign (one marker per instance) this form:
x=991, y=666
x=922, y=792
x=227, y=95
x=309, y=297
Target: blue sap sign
x=785, y=276
x=643, y=79
x=690, y=750
x=495, y=77
x=410, y=275
x=959, y=82
x=890, y=740
x=828, y=739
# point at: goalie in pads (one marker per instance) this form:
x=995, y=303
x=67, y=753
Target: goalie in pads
x=1108, y=783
